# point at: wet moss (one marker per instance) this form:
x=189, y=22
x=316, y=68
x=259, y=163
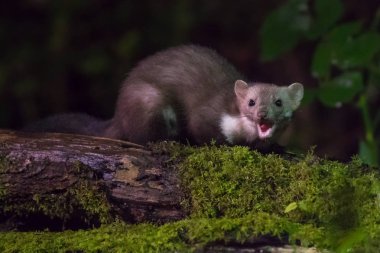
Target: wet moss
x=234, y=194
x=81, y=204
x=84, y=198
x=341, y=199
x=183, y=236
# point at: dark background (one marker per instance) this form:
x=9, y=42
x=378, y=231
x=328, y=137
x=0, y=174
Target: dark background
x=71, y=56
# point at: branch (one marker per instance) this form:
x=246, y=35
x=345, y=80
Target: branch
x=62, y=175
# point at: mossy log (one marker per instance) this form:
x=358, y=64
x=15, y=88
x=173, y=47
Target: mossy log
x=70, y=178
x=62, y=181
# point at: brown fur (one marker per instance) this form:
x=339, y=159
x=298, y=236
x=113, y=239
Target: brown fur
x=195, y=81
x=188, y=93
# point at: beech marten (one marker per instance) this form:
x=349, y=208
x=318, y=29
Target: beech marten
x=188, y=93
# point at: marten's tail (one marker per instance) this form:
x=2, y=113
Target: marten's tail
x=76, y=123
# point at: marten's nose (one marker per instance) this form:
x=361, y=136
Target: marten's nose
x=262, y=114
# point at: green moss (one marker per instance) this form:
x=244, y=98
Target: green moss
x=235, y=181
x=234, y=194
x=182, y=236
x=82, y=199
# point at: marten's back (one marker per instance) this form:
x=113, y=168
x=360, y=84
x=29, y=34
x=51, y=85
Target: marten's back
x=179, y=92
x=186, y=70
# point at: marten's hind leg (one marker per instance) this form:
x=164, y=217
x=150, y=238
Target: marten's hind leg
x=143, y=115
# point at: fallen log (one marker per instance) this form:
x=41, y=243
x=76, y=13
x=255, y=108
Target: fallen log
x=71, y=179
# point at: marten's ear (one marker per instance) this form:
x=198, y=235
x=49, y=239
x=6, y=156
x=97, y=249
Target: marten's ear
x=241, y=88
x=296, y=94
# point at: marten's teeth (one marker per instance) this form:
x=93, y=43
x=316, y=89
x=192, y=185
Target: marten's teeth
x=266, y=129
x=265, y=126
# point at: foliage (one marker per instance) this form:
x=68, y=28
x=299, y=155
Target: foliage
x=235, y=194
x=346, y=59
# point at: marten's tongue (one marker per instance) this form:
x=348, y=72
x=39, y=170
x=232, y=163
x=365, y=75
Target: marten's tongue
x=265, y=126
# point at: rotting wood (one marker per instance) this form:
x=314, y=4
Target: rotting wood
x=137, y=187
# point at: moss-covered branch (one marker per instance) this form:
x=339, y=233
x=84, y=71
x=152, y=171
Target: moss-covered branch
x=233, y=197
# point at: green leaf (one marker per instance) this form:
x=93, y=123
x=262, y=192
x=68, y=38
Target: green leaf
x=292, y=206
x=342, y=33
x=340, y=90
x=327, y=13
x=358, y=52
x=368, y=153
x=351, y=239
x=328, y=50
x=302, y=205
x=320, y=66
x=283, y=28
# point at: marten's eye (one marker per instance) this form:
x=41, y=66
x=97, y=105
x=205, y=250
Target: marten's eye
x=251, y=102
x=278, y=102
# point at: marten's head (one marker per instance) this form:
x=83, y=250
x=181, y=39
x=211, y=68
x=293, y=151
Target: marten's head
x=268, y=106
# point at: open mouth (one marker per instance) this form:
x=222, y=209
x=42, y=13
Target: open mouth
x=265, y=126
x=266, y=129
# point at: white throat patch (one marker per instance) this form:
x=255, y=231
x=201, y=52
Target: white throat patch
x=238, y=129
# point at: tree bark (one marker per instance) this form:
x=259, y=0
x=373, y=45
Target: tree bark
x=136, y=185
x=34, y=166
